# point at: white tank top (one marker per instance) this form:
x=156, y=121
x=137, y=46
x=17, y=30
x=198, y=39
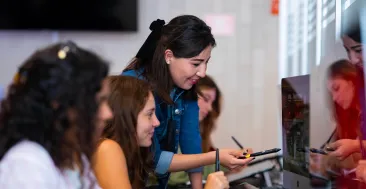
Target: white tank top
x=28, y=165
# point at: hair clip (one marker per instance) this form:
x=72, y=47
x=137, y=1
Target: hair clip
x=16, y=78
x=67, y=47
x=20, y=77
x=63, y=52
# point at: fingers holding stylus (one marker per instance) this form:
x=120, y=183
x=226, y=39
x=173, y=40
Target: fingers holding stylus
x=248, y=151
x=230, y=158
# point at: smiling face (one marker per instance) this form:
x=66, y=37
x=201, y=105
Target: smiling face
x=354, y=50
x=147, y=122
x=205, y=102
x=186, y=72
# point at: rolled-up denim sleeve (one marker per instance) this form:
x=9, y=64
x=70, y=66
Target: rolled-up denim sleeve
x=190, y=139
x=162, y=159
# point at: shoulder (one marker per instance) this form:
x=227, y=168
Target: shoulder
x=27, y=151
x=28, y=163
x=109, y=149
x=110, y=167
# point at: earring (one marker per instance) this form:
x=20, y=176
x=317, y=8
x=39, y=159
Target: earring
x=168, y=62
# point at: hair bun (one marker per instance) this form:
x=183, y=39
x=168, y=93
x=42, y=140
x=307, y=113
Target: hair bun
x=157, y=25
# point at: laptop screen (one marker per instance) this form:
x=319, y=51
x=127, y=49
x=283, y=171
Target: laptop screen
x=295, y=123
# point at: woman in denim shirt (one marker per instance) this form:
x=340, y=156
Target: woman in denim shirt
x=172, y=59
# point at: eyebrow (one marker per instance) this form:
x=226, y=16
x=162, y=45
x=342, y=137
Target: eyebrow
x=200, y=59
x=151, y=109
x=204, y=97
x=356, y=46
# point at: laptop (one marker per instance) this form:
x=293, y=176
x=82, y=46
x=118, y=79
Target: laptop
x=295, y=92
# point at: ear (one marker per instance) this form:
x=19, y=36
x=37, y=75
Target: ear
x=169, y=56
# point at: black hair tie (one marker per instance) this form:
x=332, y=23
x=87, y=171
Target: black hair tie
x=157, y=25
x=147, y=50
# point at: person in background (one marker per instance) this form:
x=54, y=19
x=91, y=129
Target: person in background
x=123, y=155
x=352, y=43
x=172, y=60
x=344, y=83
x=209, y=103
x=123, y=158
x=354, y=47
x=51, y=118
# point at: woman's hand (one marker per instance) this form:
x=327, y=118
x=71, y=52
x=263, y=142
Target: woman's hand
x=344, y=148
x=217, y=180
x=316, y=162
x=229, y=158
x=361, y=170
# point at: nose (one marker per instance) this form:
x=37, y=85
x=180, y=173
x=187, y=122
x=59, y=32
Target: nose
x=337, y=98
x=156, y=121
x=209, y=107
x=107, y=112
x=202, y=70
x=354, y=57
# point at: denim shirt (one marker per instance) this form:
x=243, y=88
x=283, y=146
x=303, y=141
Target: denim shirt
x=187, y=135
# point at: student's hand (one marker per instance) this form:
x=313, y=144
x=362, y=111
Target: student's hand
x=344, y=148
x=361, y=170
x=229, y=158
x=317, y=163
x=217, y=180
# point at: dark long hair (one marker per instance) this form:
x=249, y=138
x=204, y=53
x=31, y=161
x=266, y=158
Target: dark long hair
x=186, y=36
x=354, y=33
x=128, y=98
x=351, y=26
x=349, y=120
x=52, y=82
x=207, y=125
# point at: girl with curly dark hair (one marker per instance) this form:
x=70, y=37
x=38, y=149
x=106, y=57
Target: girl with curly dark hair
x=50, y=119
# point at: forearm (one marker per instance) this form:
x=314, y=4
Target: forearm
x=196, y=180
x=182, y=162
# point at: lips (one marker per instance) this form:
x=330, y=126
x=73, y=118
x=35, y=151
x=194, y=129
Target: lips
x=193, y=81
x=204, y=114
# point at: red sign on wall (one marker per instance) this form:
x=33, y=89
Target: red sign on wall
x=275, y=7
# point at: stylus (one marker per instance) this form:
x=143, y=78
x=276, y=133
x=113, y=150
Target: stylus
x=217, y=162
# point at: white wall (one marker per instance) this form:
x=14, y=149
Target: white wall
x=244, y=65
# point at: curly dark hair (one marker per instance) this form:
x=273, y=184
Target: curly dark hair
x=53, y=82
x=127, y=99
